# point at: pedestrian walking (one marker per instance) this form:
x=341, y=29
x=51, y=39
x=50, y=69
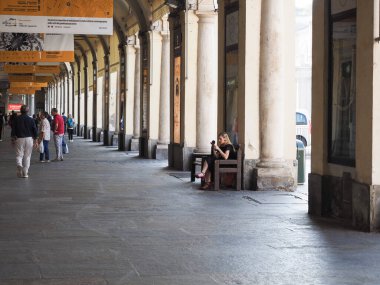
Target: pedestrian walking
x=58, y=130
x=70, y=127
x=44, y=137
x=24, y=135
x=2, y=125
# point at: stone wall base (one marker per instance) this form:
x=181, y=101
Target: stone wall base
x=281, y=178
x=179, y=157
x=128, y=139
x=345, y=200
x=106, y=138
x=135, y=144
x=162, y=152
x=114, y=139
x=250, y=174
x=147, y=147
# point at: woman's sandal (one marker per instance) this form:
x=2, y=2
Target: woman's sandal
x=207, y=186
x=200, y=175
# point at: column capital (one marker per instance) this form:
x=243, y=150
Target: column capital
x=165, y=35
x=131, y=49
x=206, y=16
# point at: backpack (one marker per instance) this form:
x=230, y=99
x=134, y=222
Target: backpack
x=70, y=123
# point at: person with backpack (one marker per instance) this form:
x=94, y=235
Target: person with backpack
x=70, y=127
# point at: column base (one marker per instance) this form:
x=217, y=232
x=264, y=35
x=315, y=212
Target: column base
x=84, y=132
x=275, y=177
x=135, y=144
x=162, y=152
x=180, y=156
x=147, y=148
x=106, y=138
x=121, y=142
x=114, y=139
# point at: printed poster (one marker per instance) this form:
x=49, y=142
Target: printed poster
x=57, y=16
x=22, y=47
x=177, y=100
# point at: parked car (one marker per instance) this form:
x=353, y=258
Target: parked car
x=303, y=127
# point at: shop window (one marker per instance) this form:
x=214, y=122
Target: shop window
x=342, y=83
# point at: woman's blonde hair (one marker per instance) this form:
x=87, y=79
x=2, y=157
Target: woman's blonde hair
x=226, y=137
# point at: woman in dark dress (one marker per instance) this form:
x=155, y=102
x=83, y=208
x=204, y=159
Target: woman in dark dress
x=223, y=150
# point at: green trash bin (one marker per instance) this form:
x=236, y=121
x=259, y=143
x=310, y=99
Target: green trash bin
x=301, y=162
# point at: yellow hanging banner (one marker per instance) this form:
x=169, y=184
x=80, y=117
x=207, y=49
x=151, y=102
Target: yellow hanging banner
x=36, y=56
x=29, y=78
x=28, y=84
x=20, y=91
x=20, y=69
x=57, y=16
x=65, y=8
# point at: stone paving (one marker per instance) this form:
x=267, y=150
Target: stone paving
x=103, y=217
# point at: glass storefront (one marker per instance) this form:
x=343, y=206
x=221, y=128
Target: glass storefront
x=342, y=80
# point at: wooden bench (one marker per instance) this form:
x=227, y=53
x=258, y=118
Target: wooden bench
x=229, y=166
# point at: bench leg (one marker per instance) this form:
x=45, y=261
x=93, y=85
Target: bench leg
x=216, y=179
x=238, y=181
x=192, y=172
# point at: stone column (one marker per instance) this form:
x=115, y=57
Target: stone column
x=164, y=126
x=106, y=98
x=130, y=92
x=73, y=92
x=122, y=99
x=207, y=81
x=85, y=99
x=68, y=94
x=56, y=100
x=62, y=95
x=272, y=170
x=136, y=105
x=32, y=106
x=78, y=107
x=94, y=100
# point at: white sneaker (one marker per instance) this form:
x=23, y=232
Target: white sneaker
x=47, y=160
x=25, y=176
x=42, y=161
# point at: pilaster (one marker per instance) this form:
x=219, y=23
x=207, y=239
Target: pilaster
x=164, y=115
x=135, y=142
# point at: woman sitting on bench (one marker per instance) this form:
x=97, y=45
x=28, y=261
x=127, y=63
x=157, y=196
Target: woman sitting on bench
x=223, y=150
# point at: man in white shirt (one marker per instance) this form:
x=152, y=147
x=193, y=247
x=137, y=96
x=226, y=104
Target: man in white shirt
x=44, y=136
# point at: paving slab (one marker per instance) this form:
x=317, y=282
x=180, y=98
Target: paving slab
x=104, y=217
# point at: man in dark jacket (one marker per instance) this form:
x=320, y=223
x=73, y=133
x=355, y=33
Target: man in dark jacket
x=24, y=135
x=2, y=123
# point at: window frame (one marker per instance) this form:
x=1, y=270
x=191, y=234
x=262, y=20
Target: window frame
x=331, y=20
